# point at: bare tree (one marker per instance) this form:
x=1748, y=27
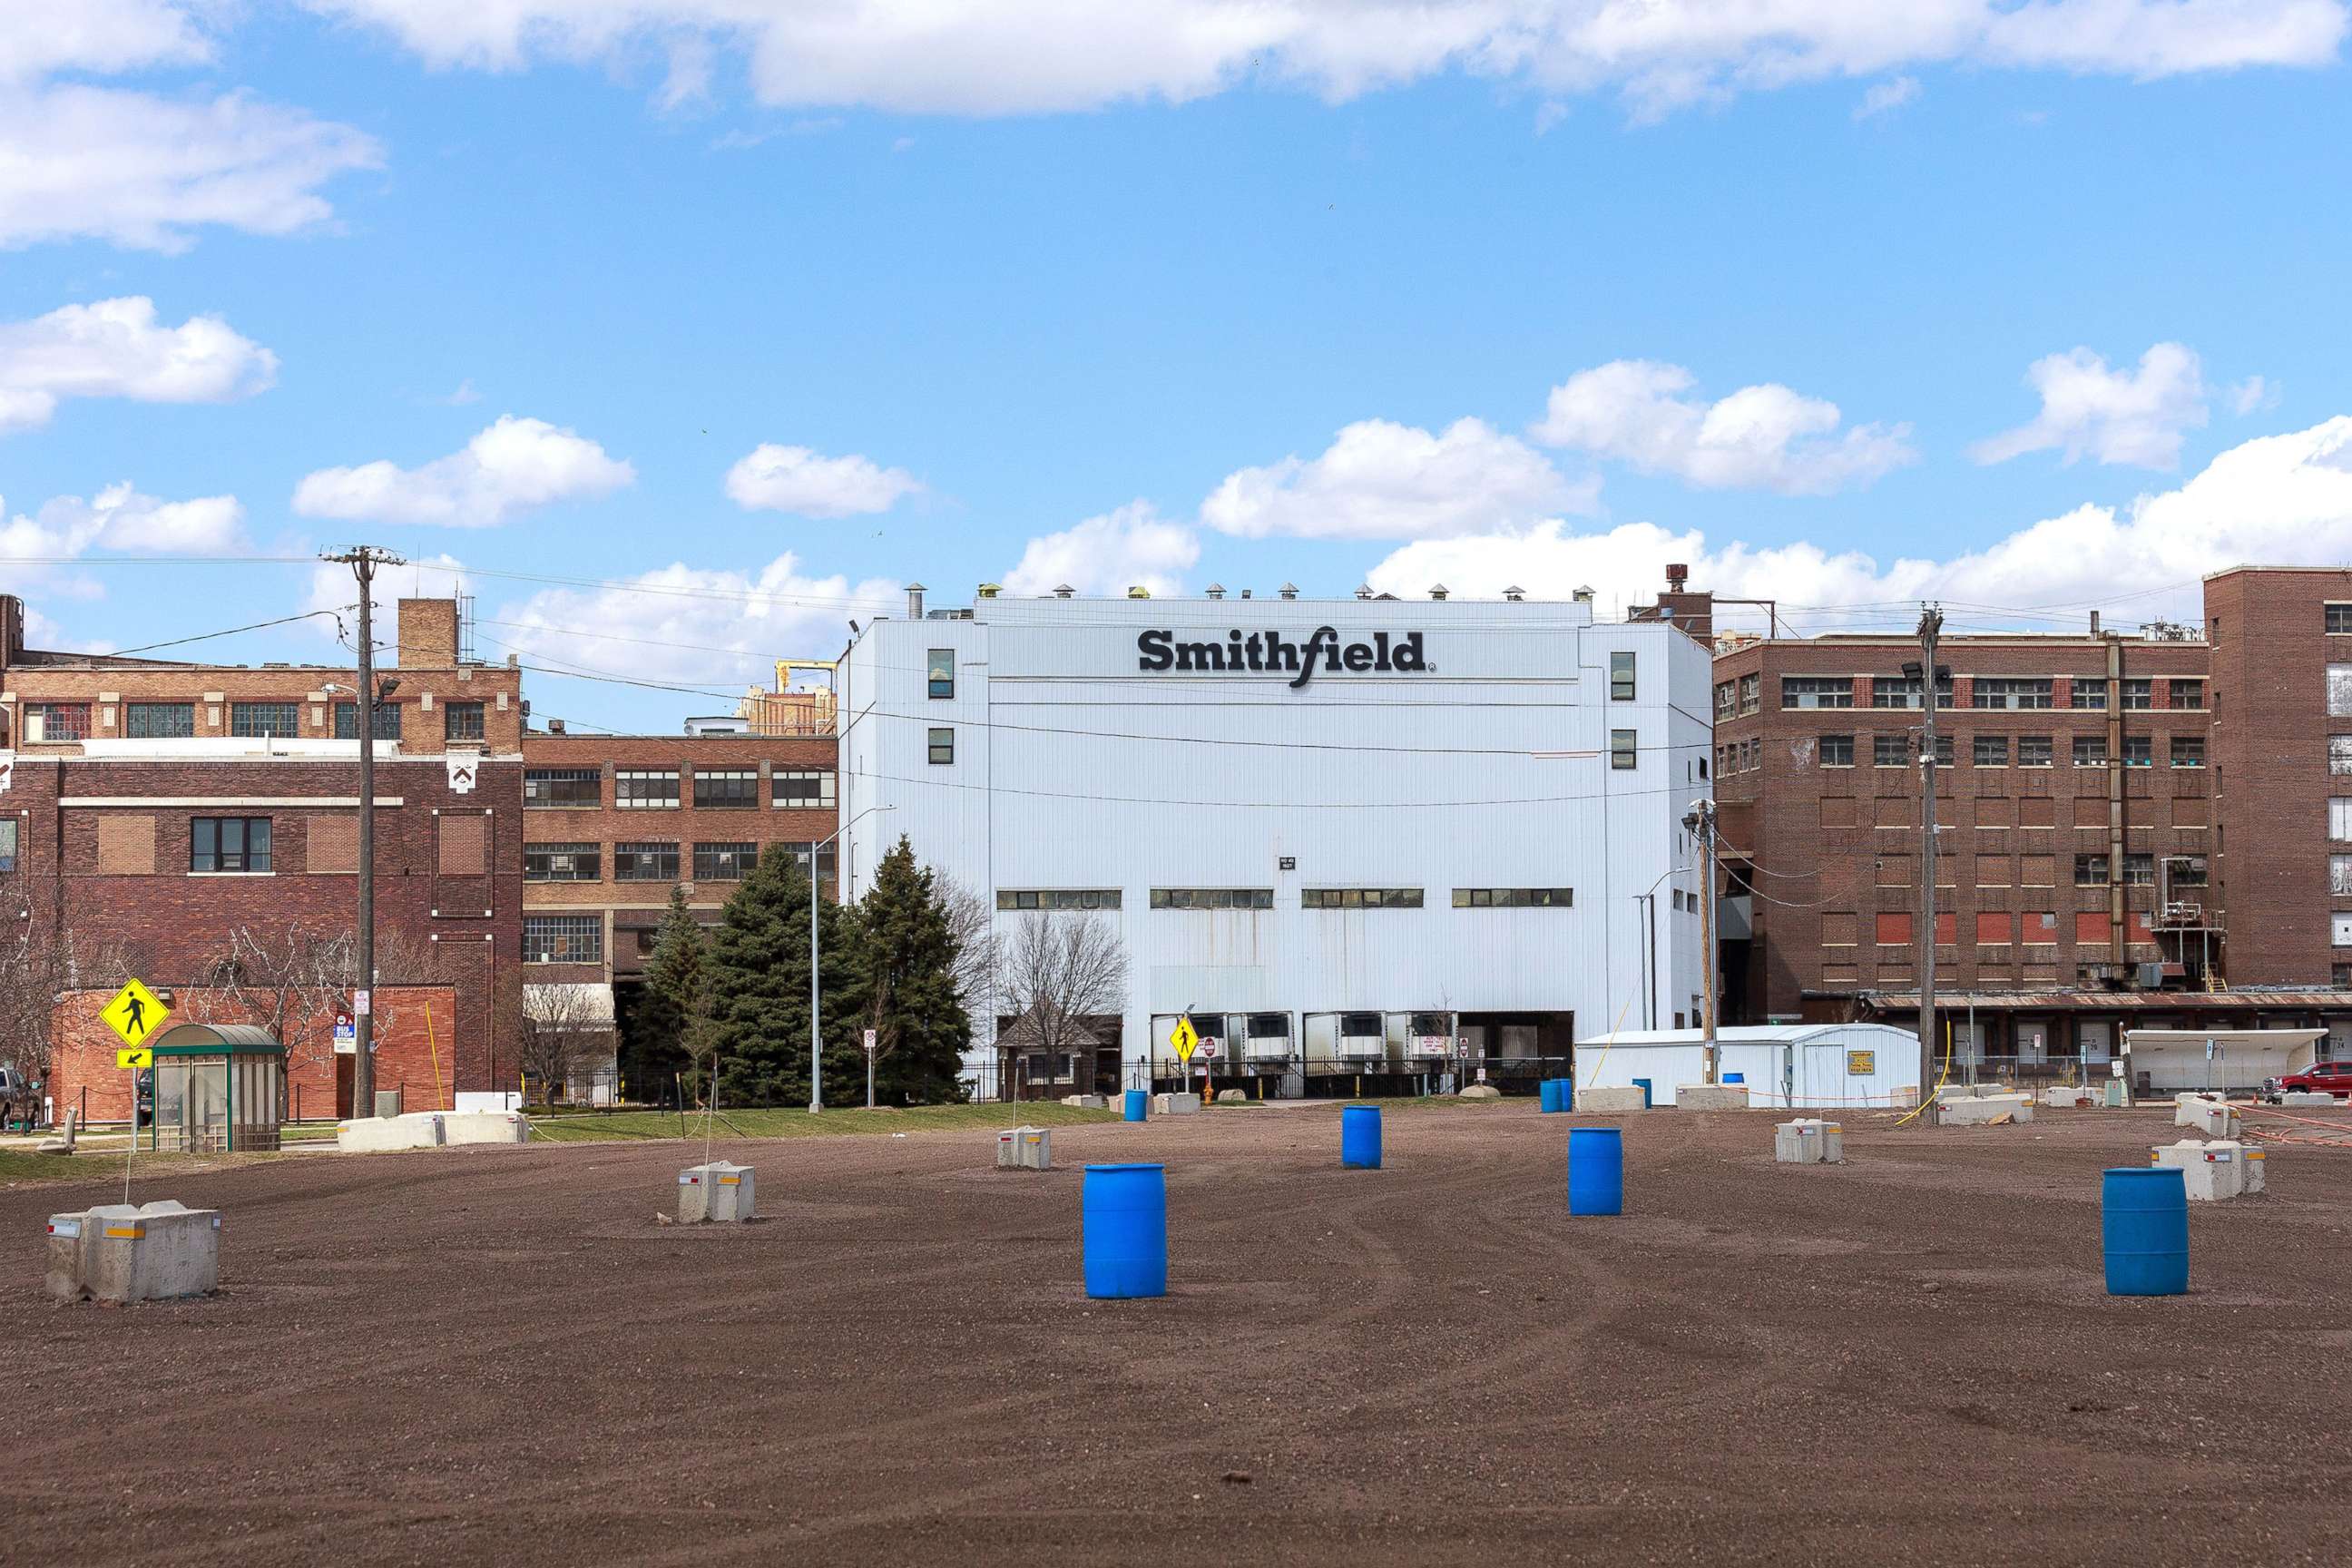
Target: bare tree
x=1058, y=971
x=294, y=980
x=34, y=967
x=975, y=933
x=566, y=1034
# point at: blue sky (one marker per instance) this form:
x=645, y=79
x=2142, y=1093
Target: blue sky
x=1034, y=300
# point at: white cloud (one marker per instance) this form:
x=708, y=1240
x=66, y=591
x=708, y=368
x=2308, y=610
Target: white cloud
x=38, y=551
x=145, y=172
x=460, y=398
x=2253, y=395
x=39, y=37
x=681, y=623
x=1385, y=480
x=1108, y=554
x=1759, y=438
x=971, y=57
x=335, y=589
x=2278, y=499
x=116, y=348
x=2117, y=417
x=771, y=478
x=1886, y=97
x=514, y=465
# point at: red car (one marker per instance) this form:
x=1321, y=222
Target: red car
x=2320, y=1078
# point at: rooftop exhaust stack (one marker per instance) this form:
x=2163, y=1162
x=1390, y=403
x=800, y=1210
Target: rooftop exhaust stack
x=1064, y=591
x=2095, y=632
x=1438, y=593
x=1514, y=594
x=1139, y=592
x=555, y=727
x=1583, y=595
x=989, y=590
x=913, y=601
x=1363, y=590
x=1245, y=593
x=1290, y=590
x=1676, y=575
x=1217, y=590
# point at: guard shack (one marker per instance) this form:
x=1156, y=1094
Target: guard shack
x=218, y=1087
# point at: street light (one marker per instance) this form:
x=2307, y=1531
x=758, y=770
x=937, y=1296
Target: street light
x=1648, y=902
x=816, y=1021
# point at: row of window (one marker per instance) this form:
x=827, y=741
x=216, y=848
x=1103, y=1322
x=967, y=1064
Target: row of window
x=1901, y=751
x=1262, y=898
x=655, y=861
x=662, y=789
x=1992, y=693
x=1992, y=928
x=255, y=720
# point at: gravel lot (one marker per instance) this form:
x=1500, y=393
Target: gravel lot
x=498, y=1355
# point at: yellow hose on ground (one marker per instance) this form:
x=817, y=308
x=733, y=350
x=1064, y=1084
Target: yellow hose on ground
x=1941, y=1079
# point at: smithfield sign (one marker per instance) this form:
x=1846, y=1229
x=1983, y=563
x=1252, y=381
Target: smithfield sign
x=1271, y=653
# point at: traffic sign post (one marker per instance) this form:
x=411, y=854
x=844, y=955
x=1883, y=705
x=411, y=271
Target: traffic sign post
x=135, y=1013
x=871, y=1038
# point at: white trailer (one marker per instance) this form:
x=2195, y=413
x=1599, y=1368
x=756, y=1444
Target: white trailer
x=1782, y=1066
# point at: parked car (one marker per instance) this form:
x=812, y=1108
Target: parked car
x=2320, y=1078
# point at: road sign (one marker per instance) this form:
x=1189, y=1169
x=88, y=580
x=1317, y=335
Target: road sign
x=870, y=1038
x=1207, y=1048
x=1183, y=1038
x=347, y=1035
x=362, y=1004
x=135, y=1058
x=135, y=1013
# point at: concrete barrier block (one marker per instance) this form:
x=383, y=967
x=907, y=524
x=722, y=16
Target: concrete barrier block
x=2311, y=1096
x=2065, y=1097
x=1480, y=1092
x=2213, y=1117
x=2256, y=1169
x=1710, y=1096
x=1184, y=1104
x=1088, y=1101
x=1233, y=1097
x=1809, y=1142
x=160, y=1251
x=376, y=1135
x=1008, y=1149
x=484, y=1127
x=1986, y=1110
x=717, y=1193
x=1035, y=1149
x=1609, y=1100
x=2212, y=1171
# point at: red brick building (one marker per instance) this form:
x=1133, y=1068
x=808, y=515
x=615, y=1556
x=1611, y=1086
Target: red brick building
x=164, y=819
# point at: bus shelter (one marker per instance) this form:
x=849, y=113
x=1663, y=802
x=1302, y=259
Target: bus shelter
x=217, y=1087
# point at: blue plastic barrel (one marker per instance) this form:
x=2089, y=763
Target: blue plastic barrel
x=1735, y=1077
x=2144, y=1226
x=1547, y=1095
x=1123, y=1221
x=1596, y=1170
x=1139, y=1104
x=1360, y=1137
x=1643, y=1085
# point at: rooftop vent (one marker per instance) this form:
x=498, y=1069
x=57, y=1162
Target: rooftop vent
x=1676, y=575
x=1217, y=590
x=555, y=727
x=1363, y=590
x=1290, y=590
x=1064, y=591
x=1439, y=592
x=989, y=590
x=1245, y=593
x=1584, y=596
x=1139, y=591
x=913, y=601
x=1515, y=594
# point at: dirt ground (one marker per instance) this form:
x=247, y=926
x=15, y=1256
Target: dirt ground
x=498, y=1355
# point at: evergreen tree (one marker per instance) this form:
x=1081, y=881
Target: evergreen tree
x=757, y=992
x=904, y=983
x=669, y=1010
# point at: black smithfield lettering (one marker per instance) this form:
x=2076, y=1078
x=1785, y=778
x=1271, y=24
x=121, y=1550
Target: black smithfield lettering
x=1271, y=653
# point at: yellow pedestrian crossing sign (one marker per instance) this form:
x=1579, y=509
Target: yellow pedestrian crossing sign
x=138, y=1057
x=135, y=1013
x=1184, y=1039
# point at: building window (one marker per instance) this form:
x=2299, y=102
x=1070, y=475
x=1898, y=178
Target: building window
x=2340, y=753
x=2189, y=872
x=1213, y=898
x=563, y=939
x=942, y=747
x=726, y=789
x=2090, y=871
x=824, y=862
x=645, y=862
x=1890, y=751
x=2188, y=750
x=57, y=721
x=1837, y=751
x=1622, y=749
x=462, y=721
x=2139, y=695
x=804, y=788
x=2002, y=693
x=347, y=721
x=256, y=720
x=1901, y=692
x=1816, y=691
x=2139, y=870
x=561, y=862
x=1359, y=899
x=2339, y=930
x=1521, y=898
x=1989, y=752
x=2340, y=820
x=2188, y=694
x=562, y=787
x=2090, y=751
x=645, y=789
x=1727, y=699
x=2139, y=751
x=2340, y=690
x=2034, y=751
x=2339, y=875
x=724, y=862
x=228, y=844
x=159, y=720
x=2339, y=618
x=941, y=670
x=1620, y=678
x=7, y=844
x=1057, y=897
x=1751, y=694
x=2090, y=691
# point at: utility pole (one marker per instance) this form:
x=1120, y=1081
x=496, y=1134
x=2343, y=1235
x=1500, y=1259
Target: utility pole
x=1700, y=820
x=364, y=560
x=1931, y=628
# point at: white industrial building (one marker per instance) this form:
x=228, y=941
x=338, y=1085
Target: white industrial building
x=1362, y=842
